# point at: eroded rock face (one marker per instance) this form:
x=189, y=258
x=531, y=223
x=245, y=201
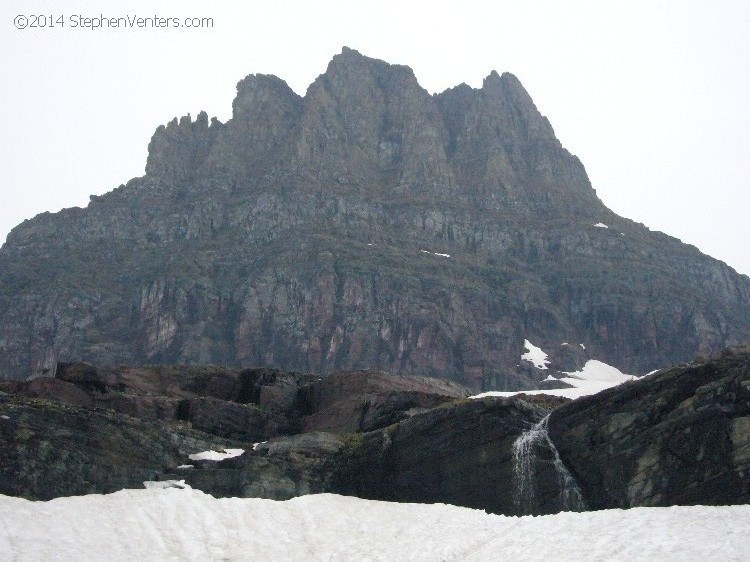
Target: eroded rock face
x=680, y=437
x=366, y=401
x=99, y=429
x=426, y=442
x=283, y=468
x=366, y=225
x=460, y=454
x=49, y=449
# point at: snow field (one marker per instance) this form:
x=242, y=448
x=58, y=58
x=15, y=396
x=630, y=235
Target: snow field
x=594, y=377
x=174, y=524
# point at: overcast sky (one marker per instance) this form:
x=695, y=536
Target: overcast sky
x=652, y=96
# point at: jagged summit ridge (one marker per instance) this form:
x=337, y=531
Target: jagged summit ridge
x=366, y=224
x=367, y=124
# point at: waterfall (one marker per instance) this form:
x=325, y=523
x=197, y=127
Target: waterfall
x=526, y=462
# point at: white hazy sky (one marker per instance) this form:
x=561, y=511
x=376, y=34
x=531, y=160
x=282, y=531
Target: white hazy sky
x=651, y=95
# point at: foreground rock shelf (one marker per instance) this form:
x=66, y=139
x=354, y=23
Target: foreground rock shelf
x=680, y=436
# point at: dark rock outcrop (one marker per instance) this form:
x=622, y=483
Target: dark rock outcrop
x=313, y=233
x=49, y=449
x=459, y=453
x=253, y=404
x=365, y=401
x=679, y=437
x=281, y=469
x=249, y=405
x=93, y=429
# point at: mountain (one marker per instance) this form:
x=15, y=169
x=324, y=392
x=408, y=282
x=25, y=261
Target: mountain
x=367, y=224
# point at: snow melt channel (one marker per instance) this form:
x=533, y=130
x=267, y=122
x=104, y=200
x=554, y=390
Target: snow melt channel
x=526, y=459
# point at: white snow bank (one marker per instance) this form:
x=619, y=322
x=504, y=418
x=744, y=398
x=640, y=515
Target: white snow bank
x=173, y=524
x=594, y=377
x=215, y=455
x=163, y=484
x=601, y=225
x=534, y=355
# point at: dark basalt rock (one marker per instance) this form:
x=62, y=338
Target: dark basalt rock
x=459, y=453
x=304, y=233
x=48, y=449
x=679, y=437
x=368, y=400
x=281, y=469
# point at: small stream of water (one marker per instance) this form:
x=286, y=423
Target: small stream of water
x=526, y=460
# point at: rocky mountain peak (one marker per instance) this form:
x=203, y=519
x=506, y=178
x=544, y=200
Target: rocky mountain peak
x=258, y=94
x=264, y=114
x=505, y=151
x=176, y=151
x=507, y=98
x=350, y=65
x=370, y=122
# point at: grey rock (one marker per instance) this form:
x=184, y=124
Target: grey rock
x=281, y=469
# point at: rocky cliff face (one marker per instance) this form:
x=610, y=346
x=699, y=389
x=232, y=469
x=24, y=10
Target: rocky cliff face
x=98, y=430
x=678, y=437
x=681, y=436
x=367, y=224
x=461, y=454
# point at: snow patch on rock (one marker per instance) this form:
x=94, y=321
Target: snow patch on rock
x=215, y=455
x=164, y=484
x=534, y=355
x=594, y=377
